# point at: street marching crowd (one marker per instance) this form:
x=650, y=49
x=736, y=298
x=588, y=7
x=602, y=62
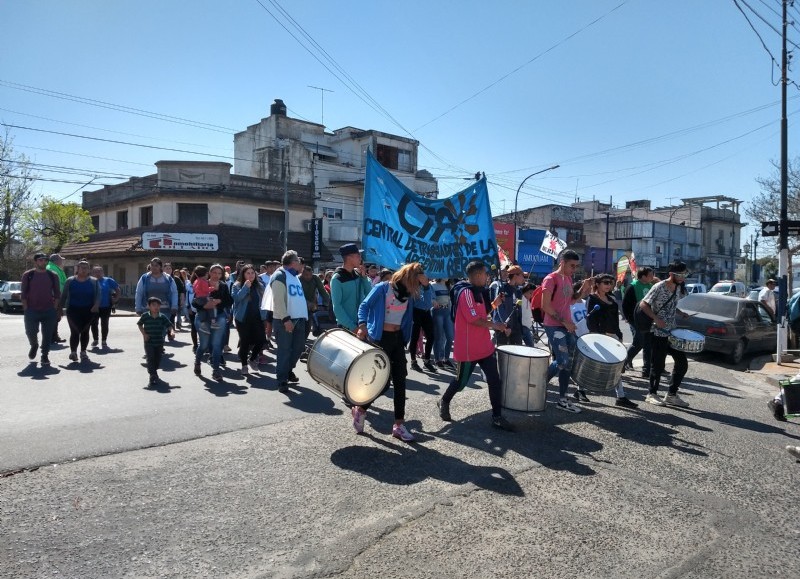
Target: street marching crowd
x=401, y=312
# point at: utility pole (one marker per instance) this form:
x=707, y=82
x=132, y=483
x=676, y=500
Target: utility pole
x=322, y=92
x=286, y=206
x=607, y=261
x=783, y=257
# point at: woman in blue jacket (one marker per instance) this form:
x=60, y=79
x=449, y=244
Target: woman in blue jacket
x=385, y=316
x=247, y=293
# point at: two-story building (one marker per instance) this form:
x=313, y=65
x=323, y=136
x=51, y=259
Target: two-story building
x=193, y=213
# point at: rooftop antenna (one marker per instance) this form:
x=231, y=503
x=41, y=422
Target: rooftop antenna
x=322, y=92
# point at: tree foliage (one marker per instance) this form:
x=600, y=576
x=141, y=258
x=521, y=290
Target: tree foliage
x=16, y=180
x=766, y=205
x=55, y=224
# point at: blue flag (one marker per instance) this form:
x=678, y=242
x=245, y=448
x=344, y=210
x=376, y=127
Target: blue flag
x=444, y=235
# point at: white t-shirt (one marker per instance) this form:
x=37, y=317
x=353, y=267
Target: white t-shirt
x=527, y=313
x=578, y=313
x=768, y=296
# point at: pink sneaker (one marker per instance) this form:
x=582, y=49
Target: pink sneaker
x=358, y=419
x=400, y=431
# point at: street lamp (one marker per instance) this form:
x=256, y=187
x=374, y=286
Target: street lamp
x=746, y=248
x=516, y=198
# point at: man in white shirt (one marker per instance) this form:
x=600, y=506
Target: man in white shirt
x=767, y=296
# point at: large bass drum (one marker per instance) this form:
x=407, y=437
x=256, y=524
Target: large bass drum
x=598, y=362
x=352, y=368
x=687, y=341
x=523, y=371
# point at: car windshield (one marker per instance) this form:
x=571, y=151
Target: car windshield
x=726, y=308
x=722, y=288
x=15, y=286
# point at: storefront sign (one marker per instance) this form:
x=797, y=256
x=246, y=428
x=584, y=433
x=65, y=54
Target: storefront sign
x=180, y=241
x=316, y=236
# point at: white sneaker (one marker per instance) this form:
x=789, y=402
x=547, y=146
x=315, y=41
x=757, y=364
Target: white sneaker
x=567, y=406
x=675, y=400
x=794, y=451
x=654, y=400
x=400, y=431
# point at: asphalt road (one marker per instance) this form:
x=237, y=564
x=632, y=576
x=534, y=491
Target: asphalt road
x=237, y=480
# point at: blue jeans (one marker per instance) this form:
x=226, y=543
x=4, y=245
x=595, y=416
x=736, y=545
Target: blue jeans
x=442, y=334
x=527, y=336
x=214, y=340
x=47, y=320
x=562, y=346
x=289, y=347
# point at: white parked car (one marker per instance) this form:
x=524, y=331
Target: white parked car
x=10, y=296
x=696, y=288
x=729, y=288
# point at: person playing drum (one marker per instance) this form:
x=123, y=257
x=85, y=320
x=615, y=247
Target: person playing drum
x=385, y=317
x=473, y=345
x=661, y=304
x=603, y=318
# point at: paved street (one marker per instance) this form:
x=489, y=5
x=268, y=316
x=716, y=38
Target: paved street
x=237, y=480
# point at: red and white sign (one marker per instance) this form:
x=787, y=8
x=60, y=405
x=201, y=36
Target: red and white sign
x=180, y=241
x=552, y=245
x=506, y=236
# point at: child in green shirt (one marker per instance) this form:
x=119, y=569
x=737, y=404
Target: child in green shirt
x=153, y=325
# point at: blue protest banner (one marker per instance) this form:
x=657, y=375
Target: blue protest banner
x=444, y=235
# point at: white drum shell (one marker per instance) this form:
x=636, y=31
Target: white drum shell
x=598, y=362
x=687, y=341
x=350, y=367
x=523, y=371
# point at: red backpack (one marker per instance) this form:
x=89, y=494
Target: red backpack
x=536, y=303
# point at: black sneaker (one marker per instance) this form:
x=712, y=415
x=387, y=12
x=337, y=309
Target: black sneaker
x=153, y=380
x=625, y=403
x=580, y=396
x=32, y=352
x=444, y=410
x=645, y=373
x=415, y=366
x=293, y=378
x=283, y=387
x=502, y=424
x=430, y=366
x=777, y=410
x=197, y=370
x=217, y=375
x=45, y=360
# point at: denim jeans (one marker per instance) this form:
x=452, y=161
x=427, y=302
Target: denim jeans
x=47, y=320
x=442, y=334
x=214, y=340
x=527, y=336
x=562, y=345
x=289, y=347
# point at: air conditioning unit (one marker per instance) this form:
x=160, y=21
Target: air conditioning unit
x=343, y=232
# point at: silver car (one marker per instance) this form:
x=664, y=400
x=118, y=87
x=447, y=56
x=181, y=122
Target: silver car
x=10, y=296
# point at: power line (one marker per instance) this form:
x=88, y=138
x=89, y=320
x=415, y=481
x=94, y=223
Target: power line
x=116, y=107
x=520, y=67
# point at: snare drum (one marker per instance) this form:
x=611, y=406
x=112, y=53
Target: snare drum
x=687, y=341
x=598, y=363
x=352, y=368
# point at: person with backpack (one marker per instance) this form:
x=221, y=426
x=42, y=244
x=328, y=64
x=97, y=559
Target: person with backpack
x=641, y=339
x=81, y=300
x=41, y=292
x=473, y=344
x=557, y=296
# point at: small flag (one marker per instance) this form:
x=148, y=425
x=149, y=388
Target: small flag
x=503, y=257
x=552, y=245
x=633, y=263
x=622, y=268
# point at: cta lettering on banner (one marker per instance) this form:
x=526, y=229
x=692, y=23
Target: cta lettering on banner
x=444, y=235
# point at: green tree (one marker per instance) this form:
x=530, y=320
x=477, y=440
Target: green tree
x=16, y=180
x=55, y=224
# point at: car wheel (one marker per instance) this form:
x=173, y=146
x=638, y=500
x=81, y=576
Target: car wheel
x=5, y=307
x=738, y=352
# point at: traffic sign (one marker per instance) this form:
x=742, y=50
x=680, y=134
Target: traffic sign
x=793, y=228
x=769, y=228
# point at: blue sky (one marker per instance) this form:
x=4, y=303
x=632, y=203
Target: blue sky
x=655, y=100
